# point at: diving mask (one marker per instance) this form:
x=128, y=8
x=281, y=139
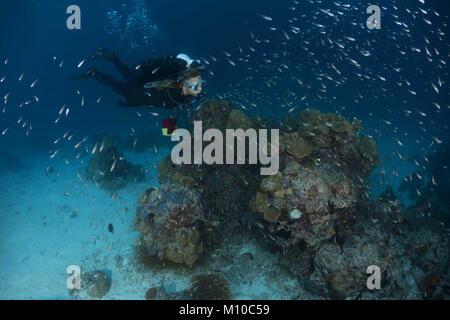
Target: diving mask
x=195, y=86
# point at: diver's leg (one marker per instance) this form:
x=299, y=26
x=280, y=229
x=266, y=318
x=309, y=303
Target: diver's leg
x=124, y=70
x=108, y=55
x=115, y=85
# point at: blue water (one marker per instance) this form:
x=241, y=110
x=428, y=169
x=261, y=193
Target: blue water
x=299, y=52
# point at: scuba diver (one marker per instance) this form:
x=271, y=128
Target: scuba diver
x=166, y=82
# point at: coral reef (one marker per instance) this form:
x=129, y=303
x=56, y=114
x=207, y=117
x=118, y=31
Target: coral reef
x=209, y=286
x=340, y=271
x=330, y=138
x=200, y=200
x=225, y=189
x=303, y=203
x=323, y=166
x=109, y=168
x=169, y=220
x=411, y=250
x=314, y=215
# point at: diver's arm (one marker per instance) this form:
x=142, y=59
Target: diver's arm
x=139, y=98
x=162, y=67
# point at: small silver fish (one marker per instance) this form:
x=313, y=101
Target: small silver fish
x=265, y=17
x=54, y=154
x=79, y=143
x=231, y=62
x=421, y=113
x=95, y=148
x=62, y=109
x=437, y=140
x=434, y=87
x=399, y=142
x=113, y=165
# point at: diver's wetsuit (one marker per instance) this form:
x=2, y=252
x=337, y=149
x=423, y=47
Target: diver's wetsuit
x=151, y=70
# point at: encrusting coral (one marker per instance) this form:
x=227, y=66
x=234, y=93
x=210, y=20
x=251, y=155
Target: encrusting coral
x=168, y=220
x=318, y=196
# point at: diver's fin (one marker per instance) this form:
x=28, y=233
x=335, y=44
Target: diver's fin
x=101, y=54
